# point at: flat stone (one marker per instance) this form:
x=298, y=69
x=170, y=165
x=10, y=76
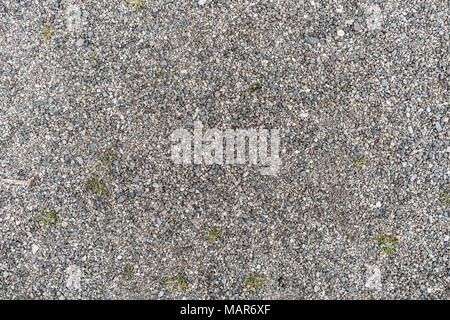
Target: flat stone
x=438, y=127
x=79, y=42
x=34, y=248
x=311, y=40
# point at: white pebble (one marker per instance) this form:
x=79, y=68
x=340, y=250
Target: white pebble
x=79, y=42
x=34, y=248
x=304, y=115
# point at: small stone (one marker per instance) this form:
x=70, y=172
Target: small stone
x=311, y=40
x=438, y=127
x=340, y=33
x=79, y=160
x=34, y=248
x=378, y=204
x=121, y=199
x=430, y=252
x=79, y=42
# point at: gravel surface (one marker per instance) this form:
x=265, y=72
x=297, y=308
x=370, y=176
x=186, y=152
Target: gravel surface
x=90, y=93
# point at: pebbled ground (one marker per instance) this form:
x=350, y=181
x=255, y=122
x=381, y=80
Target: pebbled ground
x=358, y=89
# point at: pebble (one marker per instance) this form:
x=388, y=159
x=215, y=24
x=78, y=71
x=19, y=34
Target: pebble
x=438, y=127
x=311, y=40
x=79, y=160
x=34, y=248
x=79, y=42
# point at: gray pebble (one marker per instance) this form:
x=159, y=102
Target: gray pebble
x=438, y=127
x=79, y=160
x=311, y=40
x=79, y=42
